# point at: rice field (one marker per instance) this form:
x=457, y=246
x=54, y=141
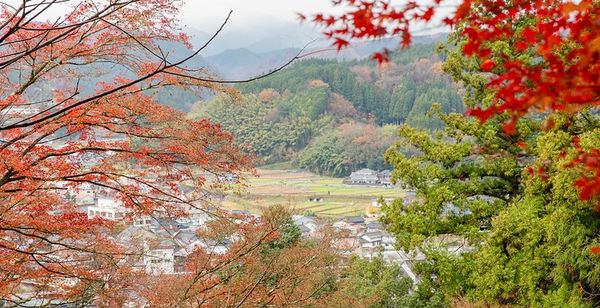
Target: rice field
x=294, y=189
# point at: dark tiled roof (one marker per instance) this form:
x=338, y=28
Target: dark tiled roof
x=375, y=225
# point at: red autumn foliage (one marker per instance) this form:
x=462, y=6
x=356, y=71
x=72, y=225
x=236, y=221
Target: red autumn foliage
x=487, y=65
x=564, y=35
x=77, y=114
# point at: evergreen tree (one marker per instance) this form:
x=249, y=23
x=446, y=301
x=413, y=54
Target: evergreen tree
x=509, y=196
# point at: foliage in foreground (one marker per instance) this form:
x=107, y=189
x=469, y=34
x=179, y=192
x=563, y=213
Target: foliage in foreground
x=509, y=196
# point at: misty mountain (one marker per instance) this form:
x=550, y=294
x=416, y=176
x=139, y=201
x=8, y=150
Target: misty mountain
x=242, y=63
x=257, y=37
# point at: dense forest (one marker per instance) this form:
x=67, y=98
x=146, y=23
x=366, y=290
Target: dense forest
x=334, y=117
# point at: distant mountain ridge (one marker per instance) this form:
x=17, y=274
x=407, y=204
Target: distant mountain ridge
x=242, y=63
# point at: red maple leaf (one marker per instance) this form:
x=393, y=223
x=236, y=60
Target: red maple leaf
x=487, y=65
x=340, y=43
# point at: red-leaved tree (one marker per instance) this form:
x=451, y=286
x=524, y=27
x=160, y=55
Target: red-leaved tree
x=77, y=114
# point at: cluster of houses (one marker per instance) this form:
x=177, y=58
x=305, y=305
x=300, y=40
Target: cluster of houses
x=370, y=178
x=364, y=237
x=158, y=245
x=164, y=245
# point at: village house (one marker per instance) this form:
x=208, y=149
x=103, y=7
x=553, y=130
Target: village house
x=374, y=226
x=354, y=225
x=165, y=249
x=196, y=220
x=363, y=177
x=376, y=241
x=370, y=177
x=84, y=195
x=355, y=220
x=106, y=207
x=216, y=247
x=385, y=178
x=142, y=221
x=307, y=225
x=141, y=243
x=160, y=259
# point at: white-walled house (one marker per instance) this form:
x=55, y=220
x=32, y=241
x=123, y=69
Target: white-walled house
x=142, y=221
x=363, y=177
x=376, y=241
x=307, y=224
x=106, y=207
x=160, y=259
x=370, y=177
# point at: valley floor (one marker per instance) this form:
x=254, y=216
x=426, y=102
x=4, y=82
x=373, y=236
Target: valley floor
x=308, y=192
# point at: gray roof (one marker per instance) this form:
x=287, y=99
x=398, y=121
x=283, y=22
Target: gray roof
x=364, y=175
x=240, y=212
x=375, y=225
x=302, y=220
x=365, y=171
x=372, y=236
x=166, y=244
x=186, y=237
x=304, y=229
x=355, y=219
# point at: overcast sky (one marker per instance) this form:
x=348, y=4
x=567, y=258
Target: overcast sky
x=256, y=20
x=261, y=25
x=209, y=13
x=203, y=13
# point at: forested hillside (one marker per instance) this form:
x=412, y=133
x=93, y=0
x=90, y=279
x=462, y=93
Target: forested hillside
x=335, y=117
x=402, y=90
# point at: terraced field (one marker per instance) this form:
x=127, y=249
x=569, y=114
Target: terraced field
x=295, y=189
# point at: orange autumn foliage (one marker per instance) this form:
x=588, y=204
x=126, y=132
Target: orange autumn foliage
x=77, y=114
